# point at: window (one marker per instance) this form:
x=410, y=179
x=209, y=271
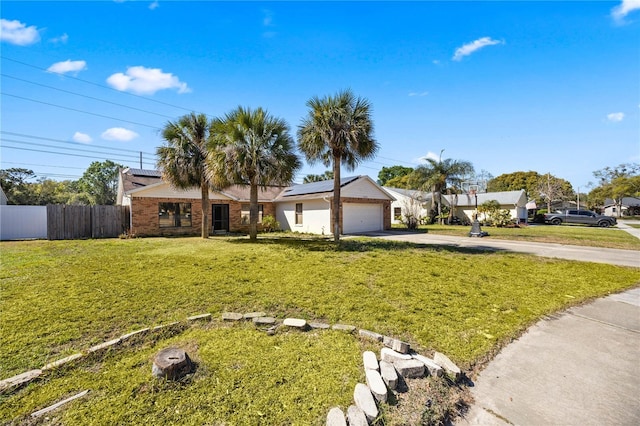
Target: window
x=397, y=212
x=298, y=213
x=174, y=215
x=244, y=215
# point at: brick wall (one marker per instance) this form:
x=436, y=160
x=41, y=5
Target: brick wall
x=145, y=219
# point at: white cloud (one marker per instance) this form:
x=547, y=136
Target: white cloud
x=267, y=20
x=154, y=5
x=624, y=8
x=418, y=94
x=82, y=137
x=146, y=81
x=63, y=39
x=431, y=155
x=68, y=66
x=469, y=48
x=119, y=134
x=615, y=117
x=15, y=32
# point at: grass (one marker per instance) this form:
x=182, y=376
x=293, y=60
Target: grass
x=58, y=297
x=565, y=234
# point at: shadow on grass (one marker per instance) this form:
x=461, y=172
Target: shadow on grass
x=363, y=244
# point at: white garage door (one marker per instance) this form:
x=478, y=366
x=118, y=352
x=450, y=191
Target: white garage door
x=361, y=218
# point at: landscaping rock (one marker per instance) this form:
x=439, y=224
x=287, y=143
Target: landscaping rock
x=376, y=385
x=12, y=382
x=103, y=345
x=134, y=333
x=254, y=315
x=199, y=317
x=409, y=368
x=232, y=316
x=164, y=326
x=61, y=362
x=336, y=417
x=264, y=320
x=370, y=361
x=392, y=356
x=371, y=335
x=295, y=323
x=356, y=417
x=433, y=368
x=389, y=374
x=396, y=345
x=344, y=327
x=59, y=404
x=171, y=364
x=319, y=325
x=443, y=361
x=364, y=400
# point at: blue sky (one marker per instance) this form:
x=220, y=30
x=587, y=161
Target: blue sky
x=509, y=86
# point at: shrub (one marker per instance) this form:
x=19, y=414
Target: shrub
x=270, y=224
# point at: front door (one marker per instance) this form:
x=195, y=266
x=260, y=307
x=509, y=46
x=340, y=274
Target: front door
x=220, y=216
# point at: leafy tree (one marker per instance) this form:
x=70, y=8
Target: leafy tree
x=439, y=176
x=616, y=183
x=495, y=215
x=404, y=182
x=393, y=172
x=327, y=175
x=183, y=158
x=14, y=182
x=100, y=181
x=516, y=181
x=337, y=130
x=251, y=147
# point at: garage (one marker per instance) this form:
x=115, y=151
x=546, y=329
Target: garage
x=360, y=217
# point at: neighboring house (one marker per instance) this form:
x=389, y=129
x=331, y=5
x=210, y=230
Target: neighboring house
x=630, y=206
x=158, y=209
x=3, y=198
x=366, y=206
x=408, y=201
x=465, y=204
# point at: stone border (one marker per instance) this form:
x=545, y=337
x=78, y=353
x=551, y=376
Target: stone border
x=396, y=358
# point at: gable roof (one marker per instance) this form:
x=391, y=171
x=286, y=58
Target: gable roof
x=324, y=189
x=410, y=193
x=315, y=187
x=626, y=202
x=511, y=198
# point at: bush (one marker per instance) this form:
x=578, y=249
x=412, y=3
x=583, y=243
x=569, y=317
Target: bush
x=270, y=224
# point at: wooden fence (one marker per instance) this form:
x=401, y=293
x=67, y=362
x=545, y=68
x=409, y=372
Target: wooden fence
x=77, y=222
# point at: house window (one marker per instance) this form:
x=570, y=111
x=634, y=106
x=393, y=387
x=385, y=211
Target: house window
x=298, y=213
x=244, y=215
x=397, y=212
x=174, y=215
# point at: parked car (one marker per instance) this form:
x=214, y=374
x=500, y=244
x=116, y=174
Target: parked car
x=585, y=217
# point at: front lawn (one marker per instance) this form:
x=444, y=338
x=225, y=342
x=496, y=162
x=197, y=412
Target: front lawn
x=564, y=234
x=58, y=297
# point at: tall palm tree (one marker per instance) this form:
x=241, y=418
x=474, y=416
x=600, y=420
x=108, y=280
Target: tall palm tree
x=182, y=158
x=251, y=147
x=338, y=130
x=440, y=175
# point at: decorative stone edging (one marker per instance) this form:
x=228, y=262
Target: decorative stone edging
x=396, y=358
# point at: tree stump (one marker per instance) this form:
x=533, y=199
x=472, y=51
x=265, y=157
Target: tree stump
x=171, y=364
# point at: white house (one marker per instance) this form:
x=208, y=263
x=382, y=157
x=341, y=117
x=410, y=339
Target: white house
x=465, y=204
x=408, y=202
x=630, y=206
x=366, y=206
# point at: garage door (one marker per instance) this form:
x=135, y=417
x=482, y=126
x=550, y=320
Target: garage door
x=361, y=218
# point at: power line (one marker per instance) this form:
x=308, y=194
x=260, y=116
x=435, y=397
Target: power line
x=72, y=143
x=78, y=110
x=86, y=96
x=42, y=165
x=114, y=159
x=94, y=84
x=64, y=147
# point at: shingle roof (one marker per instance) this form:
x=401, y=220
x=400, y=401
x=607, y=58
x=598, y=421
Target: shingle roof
x=144, y=172
x=503, y=198
x=315, y=187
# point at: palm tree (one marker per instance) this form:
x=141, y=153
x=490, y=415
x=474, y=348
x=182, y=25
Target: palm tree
x=440, y=175
x=182, y=158
x=250, y=147
x=338, y=130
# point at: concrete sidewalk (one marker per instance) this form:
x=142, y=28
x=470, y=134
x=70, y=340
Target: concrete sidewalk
x=579, y=368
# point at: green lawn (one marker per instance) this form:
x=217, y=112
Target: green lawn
x=564, y=234
x=60, y=297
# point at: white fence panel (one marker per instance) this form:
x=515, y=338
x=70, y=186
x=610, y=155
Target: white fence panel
x=23, y=222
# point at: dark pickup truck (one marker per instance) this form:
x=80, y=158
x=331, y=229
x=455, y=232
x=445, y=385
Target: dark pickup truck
x=585, y=217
